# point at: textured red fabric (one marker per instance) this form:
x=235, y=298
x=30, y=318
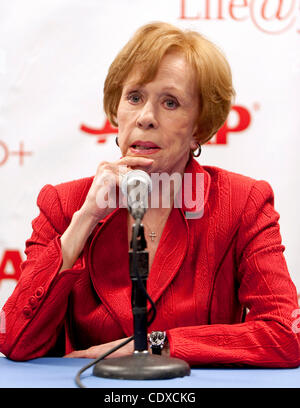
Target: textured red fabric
x=206, y=272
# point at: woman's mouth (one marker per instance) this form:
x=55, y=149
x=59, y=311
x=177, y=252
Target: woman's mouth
x=140, y=147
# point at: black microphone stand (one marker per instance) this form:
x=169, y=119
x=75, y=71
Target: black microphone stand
x=141, y=365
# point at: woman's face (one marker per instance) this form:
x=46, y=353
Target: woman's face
x=157, y=120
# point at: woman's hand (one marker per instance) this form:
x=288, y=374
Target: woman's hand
x=96, y=351
x=97, y=204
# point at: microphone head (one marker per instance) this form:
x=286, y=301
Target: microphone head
x=136, y=185
x=134, y=178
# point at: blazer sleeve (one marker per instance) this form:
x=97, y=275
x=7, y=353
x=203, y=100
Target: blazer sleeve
x=266, y=338
x=34, y=313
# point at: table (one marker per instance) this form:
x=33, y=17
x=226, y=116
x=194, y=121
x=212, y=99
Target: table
x=50, y=372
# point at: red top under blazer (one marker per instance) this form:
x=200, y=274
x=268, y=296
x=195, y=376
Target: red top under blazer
x=206, y=271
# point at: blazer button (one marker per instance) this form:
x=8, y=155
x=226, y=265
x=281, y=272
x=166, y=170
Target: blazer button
x=39, y=292
x=33, y=301
x=27, y=311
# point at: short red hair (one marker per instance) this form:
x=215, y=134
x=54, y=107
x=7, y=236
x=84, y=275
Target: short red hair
x=146, y=49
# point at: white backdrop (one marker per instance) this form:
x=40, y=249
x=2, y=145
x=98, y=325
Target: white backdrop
x=54, y=56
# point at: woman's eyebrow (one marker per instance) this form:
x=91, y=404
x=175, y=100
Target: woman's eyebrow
x=176, y=92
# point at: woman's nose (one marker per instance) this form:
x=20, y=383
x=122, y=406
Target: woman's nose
x=147, y=117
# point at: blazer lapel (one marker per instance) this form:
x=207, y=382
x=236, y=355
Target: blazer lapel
x=195, y=190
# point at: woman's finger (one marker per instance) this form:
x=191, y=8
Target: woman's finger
x=76, y=354
x=135, y=161
x=96, y=351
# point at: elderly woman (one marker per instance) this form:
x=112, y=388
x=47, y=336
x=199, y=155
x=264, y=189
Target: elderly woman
x=168, y=92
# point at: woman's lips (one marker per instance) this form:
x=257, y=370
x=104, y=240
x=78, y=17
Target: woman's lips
x=140, y=147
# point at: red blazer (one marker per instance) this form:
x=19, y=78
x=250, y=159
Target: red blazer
x=206, y=272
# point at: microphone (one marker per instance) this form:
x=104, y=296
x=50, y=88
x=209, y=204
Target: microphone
x=136, y=185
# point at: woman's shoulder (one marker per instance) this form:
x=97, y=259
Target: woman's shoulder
x=74, y=187
x=235, y=198
x=222, y=178
x=238, y=191
x=68, y=196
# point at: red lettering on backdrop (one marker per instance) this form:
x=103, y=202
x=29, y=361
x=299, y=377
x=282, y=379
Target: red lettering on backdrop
x=278, y=15
x=183, y=15
x=207, y=11
x=6, y=153
x=269, y=16
x=105, y=130
x=242, y=124
x=14, y=258
x=233, y=5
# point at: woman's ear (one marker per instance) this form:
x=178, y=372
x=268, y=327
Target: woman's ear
x=194, y=144
x=194, y=141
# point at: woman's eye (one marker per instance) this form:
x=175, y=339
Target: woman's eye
x=171, y=103
x=134, y=98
